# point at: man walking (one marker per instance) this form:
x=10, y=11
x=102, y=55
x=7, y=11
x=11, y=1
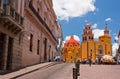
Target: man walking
x=90, y=61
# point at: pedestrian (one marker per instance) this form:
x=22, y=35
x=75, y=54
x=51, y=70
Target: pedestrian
x=90, y=61
x=96, y=61
x=101, y=60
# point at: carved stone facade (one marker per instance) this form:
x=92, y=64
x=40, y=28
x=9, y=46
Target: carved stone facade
x=28, y=33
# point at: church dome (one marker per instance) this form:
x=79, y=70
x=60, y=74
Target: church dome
x=72, y=41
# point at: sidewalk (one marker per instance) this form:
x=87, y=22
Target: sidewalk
x=26, y=70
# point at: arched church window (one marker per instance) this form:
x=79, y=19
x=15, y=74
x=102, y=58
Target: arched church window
x=100, y=49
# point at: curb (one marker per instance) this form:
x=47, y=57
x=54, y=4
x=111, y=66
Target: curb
x=26, y=70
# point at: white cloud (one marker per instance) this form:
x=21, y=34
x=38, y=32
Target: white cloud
x=75, y=37
x=98, y=32
x=114, y=48
x=94, y=26
x=67, y=38
x=66, y=9
x=116, y=38
x=108, y=19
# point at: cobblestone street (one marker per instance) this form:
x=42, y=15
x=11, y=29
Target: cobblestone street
x=64, y=71
x=99, y=72
x=59, y=71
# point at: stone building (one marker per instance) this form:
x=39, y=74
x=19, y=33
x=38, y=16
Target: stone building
x=118, y=50
x=89, y=47
x=28, y=33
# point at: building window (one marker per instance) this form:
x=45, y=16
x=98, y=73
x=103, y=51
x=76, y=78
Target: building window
x=0, y=3
x=100, y=49
x=38, y=10
x=38, y=47
x=31, y=42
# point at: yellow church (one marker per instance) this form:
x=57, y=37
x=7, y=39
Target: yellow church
x=73, y=50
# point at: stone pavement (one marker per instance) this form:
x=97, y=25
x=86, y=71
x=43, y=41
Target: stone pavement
x=58, y=71
x=99, y=72
x=64, y=71
x=27, y=70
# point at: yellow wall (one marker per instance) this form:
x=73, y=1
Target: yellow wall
x=91, y=49
x=84, y=50
x=107, y=43
x=72, y=54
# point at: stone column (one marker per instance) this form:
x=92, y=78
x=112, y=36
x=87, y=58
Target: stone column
x=5, y=52
x=1, y=6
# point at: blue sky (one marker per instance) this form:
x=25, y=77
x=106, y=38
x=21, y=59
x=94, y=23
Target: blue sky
x=74, y=15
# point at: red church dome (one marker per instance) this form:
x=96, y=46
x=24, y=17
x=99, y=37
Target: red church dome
x=72, y=41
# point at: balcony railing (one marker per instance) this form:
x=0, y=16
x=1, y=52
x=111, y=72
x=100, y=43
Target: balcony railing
x=8, y=14
x=41, y=20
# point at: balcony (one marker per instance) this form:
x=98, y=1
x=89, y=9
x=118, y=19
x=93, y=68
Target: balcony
x=10, y=19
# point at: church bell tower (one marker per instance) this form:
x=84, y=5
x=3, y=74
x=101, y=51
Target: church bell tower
x=87, y=34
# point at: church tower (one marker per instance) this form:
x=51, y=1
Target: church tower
x=106, y=31
x=87, y=33
x=106, y=37
x=107, y=42
x=87, y=45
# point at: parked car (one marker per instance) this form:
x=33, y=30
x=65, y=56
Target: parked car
x=57, y=58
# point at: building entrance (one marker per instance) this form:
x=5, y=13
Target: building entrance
x=9, y=55
x=45, y=49
x=2, y=39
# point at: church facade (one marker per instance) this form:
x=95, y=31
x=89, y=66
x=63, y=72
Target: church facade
x=89, y=47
